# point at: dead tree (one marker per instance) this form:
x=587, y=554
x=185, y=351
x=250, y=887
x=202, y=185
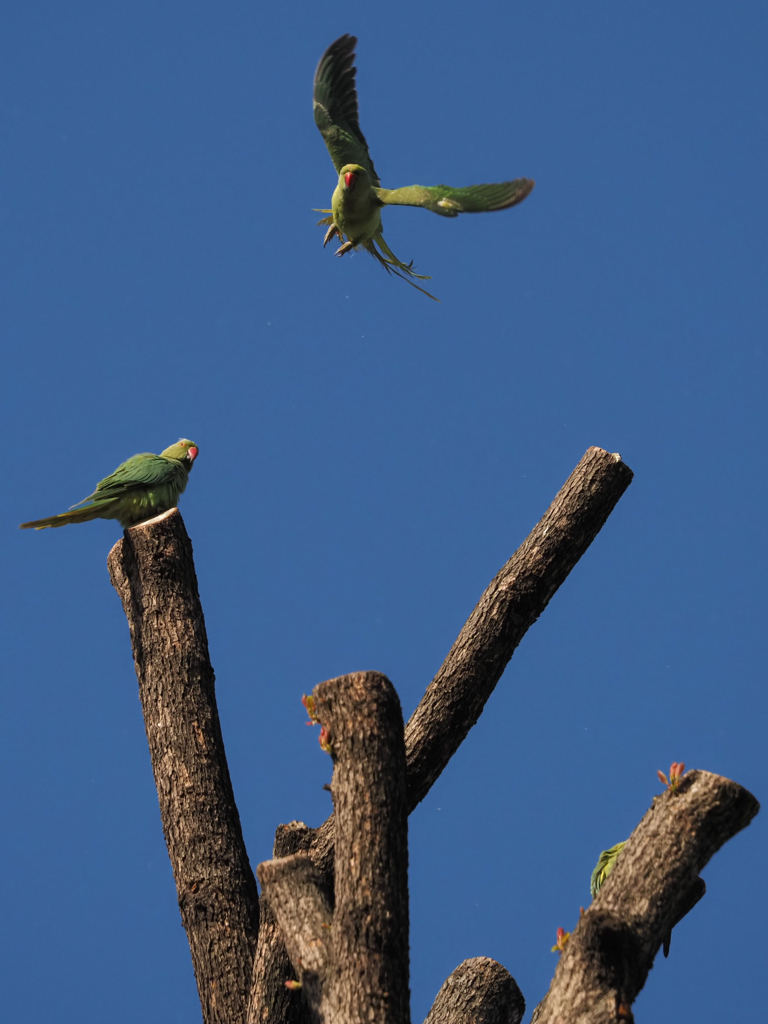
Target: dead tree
x=333, y=914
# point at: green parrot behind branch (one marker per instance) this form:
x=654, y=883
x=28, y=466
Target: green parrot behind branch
x=604, y=867
x=142, y=487
x=358, y=199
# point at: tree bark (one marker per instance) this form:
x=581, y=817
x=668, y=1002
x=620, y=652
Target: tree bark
x=270, y=1000
x=479, y=991
x=513, y=601
x=153, y=572
x=353, y=965
x=294, y=888
x=652, y=885
x=350, y=945
x=370, y=934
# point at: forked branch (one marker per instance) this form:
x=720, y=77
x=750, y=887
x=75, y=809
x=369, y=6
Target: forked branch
x=512, y=602
x=455, y=698
x=153, y=571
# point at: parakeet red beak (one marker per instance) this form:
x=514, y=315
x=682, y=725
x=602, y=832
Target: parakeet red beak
x=349, y=179
x=192, y=453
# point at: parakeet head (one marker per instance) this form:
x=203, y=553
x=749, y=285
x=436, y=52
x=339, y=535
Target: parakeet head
x=350, y=174
x=184, y=450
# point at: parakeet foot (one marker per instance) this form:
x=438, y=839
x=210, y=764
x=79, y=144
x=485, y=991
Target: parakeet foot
x=329, y=234
x=344, y=248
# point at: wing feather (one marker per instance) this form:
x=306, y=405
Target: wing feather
x=336, y=109
x=145, y=470
x=450, y=202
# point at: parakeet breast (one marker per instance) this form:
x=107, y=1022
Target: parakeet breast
x=356, y=213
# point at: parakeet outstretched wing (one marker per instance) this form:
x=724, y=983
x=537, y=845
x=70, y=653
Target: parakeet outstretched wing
x=450, y=202
x=335, y=106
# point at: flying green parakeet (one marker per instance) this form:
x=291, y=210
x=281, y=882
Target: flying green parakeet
x=604, y=867
x=143, y=486
x=357, y=201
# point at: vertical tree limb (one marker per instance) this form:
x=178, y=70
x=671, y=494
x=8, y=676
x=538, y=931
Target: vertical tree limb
x=369, y=937
x=294, y=888
x=270, y=1000
x=153, y=572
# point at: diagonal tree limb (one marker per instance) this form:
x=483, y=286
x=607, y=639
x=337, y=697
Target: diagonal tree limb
x=480, y=990
x=153, y=572
x=653, y=884
x=513, y=601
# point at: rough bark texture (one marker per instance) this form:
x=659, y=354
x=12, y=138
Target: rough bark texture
x=294, y=888
x=350, y=945
x=369, y=937
x=480, y=991
x=653, y=884
x=153, y=572
x=271, y=1001
x=511, y=604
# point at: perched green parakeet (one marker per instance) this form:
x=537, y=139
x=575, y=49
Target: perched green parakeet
x=604, y=867
x=358, y=198
x=143, y=486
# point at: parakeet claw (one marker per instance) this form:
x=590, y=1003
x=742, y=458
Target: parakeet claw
x=329, y=234
x=344, y=248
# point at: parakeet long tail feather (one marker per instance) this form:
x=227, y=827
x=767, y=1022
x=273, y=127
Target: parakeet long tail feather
x=393, y=265
x=391, y=270
x=78, y=515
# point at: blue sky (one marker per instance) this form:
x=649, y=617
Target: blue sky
x=369, y=459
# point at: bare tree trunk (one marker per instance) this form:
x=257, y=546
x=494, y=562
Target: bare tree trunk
x=153, y=572
x=353, y=962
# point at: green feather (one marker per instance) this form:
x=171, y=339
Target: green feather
x=356, y=206
x=335, y=106
x=141, y=487
x=604, y=867
x=450, y=202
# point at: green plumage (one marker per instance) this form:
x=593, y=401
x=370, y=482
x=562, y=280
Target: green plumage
x=604, y=867
x=141, y=487
x=357, y=201
x=334, y=99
